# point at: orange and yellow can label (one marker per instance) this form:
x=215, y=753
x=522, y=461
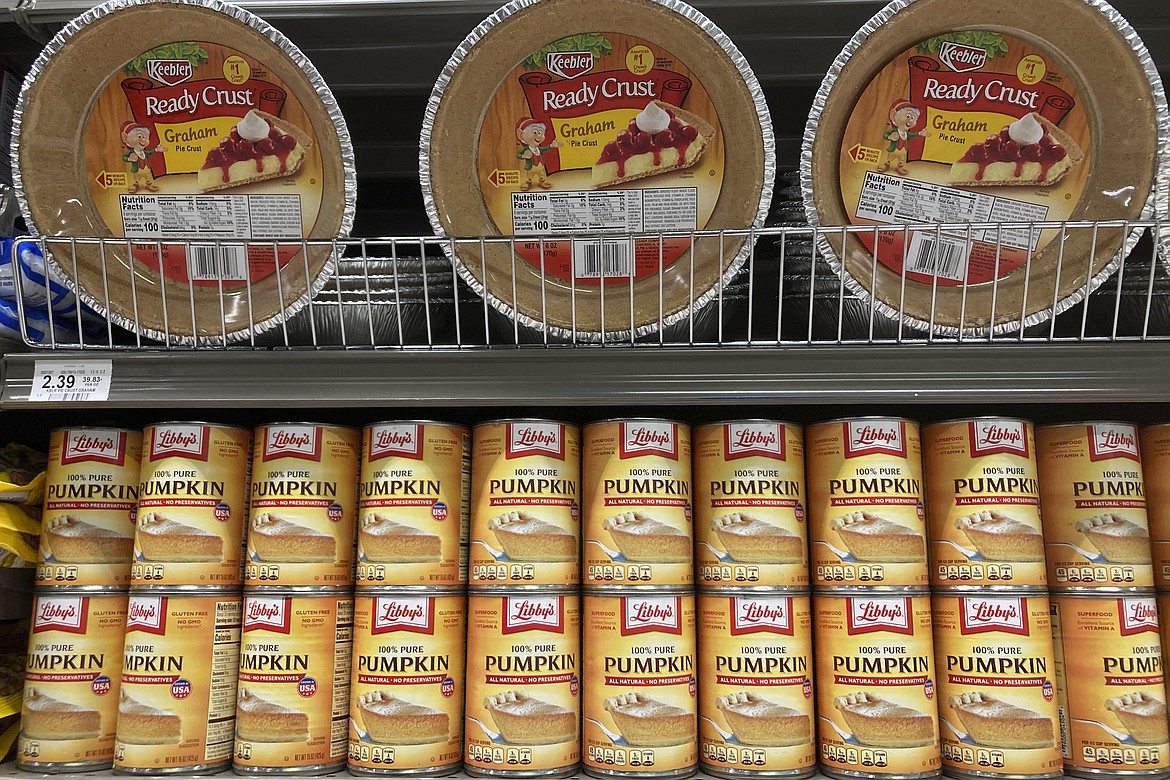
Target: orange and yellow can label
x=304, y=490
x=292, y=706
x=74, y=667
x=1110, y=683
x=983, y=502
x=414, y=504
x=91, y=491
x=750, y=527
x=875, y=666
x=1094, y=499
x=637, y=503
x=1156, y=473
x=192, y=503
x=640, y=702
x=997, y=685
x=406, y=696
x=756, y=706
x=867, y=524
x=523, y=706
x=178, y=698
x=525, y=503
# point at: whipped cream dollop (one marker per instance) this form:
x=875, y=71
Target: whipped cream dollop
x=252, y=127
x=652, y=119
x=1026, y=131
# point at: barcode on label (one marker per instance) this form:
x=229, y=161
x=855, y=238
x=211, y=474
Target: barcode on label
x=595, y=259
x=936, y=256
x=217, y=262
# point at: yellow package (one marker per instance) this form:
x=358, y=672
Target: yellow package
x=21, y=518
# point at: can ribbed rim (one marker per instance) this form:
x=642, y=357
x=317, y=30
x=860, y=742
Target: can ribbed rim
x=1083, y=423
x=508, y=420
x=913, y=591
x=40, y=591
x=764, y=591
x=408, y=590
x=67, y=428
x=512, y=590
x=970, y=591
x=308, y=424
x=191, y=591
x=457, y=426
x=977, y=418
x=202, y=423
x=626, y=591
x=1109, y=594
x=252, y=590
x=748, y=421
x=870, y=417
x=610, y=420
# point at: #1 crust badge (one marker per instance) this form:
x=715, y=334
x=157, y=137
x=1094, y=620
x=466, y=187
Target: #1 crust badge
x=191, y=119
x=993, y=112
x=566, y=127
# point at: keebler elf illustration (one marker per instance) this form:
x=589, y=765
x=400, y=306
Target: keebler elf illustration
x=530, y=134
x=136, y=139
x=904, y=115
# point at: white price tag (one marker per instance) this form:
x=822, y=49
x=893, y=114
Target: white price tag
x=77, y=382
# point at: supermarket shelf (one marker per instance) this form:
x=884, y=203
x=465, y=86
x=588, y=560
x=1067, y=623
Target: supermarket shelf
x=9, y=770
x=1117, y=372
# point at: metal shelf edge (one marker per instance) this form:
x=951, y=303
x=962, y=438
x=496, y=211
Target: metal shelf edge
x=1115, y=372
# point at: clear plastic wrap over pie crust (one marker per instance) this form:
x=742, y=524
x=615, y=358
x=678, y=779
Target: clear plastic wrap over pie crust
x=957, y=75
x=132, y=104
x=671, y=62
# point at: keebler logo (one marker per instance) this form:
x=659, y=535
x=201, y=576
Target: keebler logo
x=978, y=615
x=867, y=615
x=404, y=613
x=641, y=615
x=991, y=437
x=1113, y=441
x=270, y=613
x=752, y=616
x=404, y=441
x=292, y=441
x=183, y=441
x=1137, y=616
x=742, y=440
x=649, y=438
x=569, y=64
x=61, y=613
x=960, y=57
x=170, y=72
x=94, y=446
x=147, y=613
x=532, y=438
x=524, y=613
x=869, y=437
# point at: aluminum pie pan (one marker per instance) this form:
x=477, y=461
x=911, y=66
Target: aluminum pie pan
x=1129, y=49
x=568, y=326
x=340, y=175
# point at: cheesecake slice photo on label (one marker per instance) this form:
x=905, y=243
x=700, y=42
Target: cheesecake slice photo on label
x=1117, y=539
x=162, y=538
x=525, y=537
x=661, y=138
x=998, y=537
x=275, y=538
x=390, y=720
x=142, y=724
x=260, y=147
x=1031, y=151
x=1143, y=716
x=524, y=720
x=646, y=722
x=994, y=722
x=643, y=539
x=384, y=540
x=758, y=722
x=881, y=723
x=870, y=537
x=68, y=539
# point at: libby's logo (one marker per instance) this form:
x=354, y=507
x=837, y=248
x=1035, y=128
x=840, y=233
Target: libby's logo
x=870, y=437
x=524, y=613
x=1137, y=616
x=569, y=64
x=751, y=616
x=960, y=57
x=404, y=441
x=641, y=615
x=1113, y=441
x=183, y=441
x=94, y=446
x=978, y=615
x=61, y=613
x=292, y=441
x=742, y=440
x=170, y=72
x=267, y=612
x=649, y=438
x=991, y=437
x=404, y=613
x=147, y=613
x=867, y=615
x=533, y=438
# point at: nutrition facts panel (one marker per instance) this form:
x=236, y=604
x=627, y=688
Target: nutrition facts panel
x=212, y=216
x=588, y=211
